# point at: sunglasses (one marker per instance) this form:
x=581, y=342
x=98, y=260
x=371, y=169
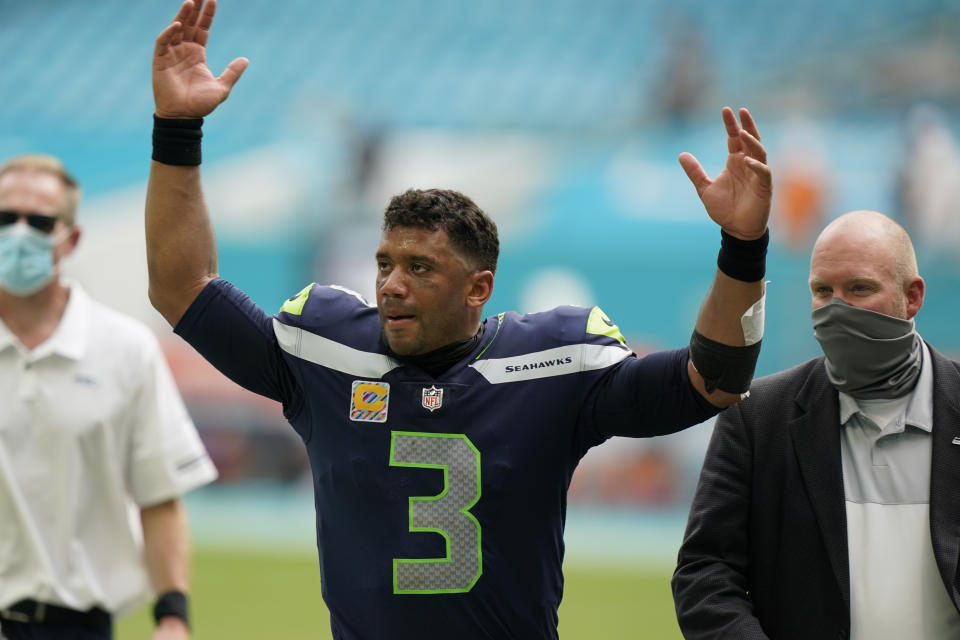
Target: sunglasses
x=38, y=221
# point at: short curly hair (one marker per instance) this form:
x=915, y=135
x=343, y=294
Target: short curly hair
x=471, y=231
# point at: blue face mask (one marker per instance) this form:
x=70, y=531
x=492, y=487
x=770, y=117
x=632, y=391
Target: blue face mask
x=26, y=259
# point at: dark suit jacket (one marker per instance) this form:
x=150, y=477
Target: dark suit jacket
x=765, y=551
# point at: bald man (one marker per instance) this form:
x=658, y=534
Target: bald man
x=829, y=501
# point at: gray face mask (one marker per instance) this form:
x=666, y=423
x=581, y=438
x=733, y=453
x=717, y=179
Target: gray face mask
x=869, y=355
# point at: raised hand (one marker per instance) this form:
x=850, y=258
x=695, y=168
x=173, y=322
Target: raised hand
x=183, y=86
x=738, y=199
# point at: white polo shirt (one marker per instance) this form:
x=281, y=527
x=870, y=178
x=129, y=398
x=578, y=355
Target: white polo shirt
x=896, y=592
x=91, y=424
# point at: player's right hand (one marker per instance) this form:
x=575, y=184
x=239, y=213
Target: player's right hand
x=183, y=86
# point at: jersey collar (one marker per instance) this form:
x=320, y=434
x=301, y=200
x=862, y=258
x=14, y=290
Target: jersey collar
x=438, y=361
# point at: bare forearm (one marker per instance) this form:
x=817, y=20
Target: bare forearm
x=739, y=201
x=166, y=546
x=181, y=249
x=724, y=306
x=720, y=320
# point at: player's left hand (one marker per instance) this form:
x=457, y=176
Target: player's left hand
x=738, y=199
x=171, y=628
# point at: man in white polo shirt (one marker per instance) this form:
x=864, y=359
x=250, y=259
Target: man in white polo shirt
x=829, y=502
x=92, y=429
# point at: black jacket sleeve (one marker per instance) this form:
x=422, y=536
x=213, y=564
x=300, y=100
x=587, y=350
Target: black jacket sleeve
x=711, y=584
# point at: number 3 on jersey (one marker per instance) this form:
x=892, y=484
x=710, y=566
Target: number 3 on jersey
x=447, y=513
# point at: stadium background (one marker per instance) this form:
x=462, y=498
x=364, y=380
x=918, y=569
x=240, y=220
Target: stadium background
x=563, y=120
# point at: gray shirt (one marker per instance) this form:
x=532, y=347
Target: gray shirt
x=895, y=588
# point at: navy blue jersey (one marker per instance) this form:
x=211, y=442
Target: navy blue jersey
x=441, y=500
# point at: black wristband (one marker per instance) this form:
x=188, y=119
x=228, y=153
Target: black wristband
x=722, y=366
x=744, y=260
x=177, y=142
x=171, y=603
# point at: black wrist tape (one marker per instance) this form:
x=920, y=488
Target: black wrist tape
x=723, y=367
x=171, y=603
x=744, y=260
x=177, y=142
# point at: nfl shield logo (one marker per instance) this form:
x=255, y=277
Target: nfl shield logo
x=432, y=398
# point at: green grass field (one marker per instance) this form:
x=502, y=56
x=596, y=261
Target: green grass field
x=257, y=595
